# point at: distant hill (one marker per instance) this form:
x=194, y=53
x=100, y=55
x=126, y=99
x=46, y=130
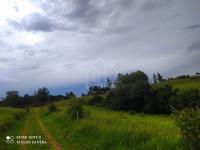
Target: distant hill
x=182, y=84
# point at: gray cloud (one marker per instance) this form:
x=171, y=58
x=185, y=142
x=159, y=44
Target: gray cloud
x=4, y=59
x=152, y=5
x=38, y=22
x=195, y=47
x=34, y=22
x=195, y=26
x=93, y=14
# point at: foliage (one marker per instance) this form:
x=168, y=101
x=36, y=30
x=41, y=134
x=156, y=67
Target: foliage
x=188, y=98
x=8, y=117
x=95, y=100
x=107, y=129
x=95, y=90
x=75, y=111
x=188, y=120
x=12, y=98
x=70, y=95
x=41, y=96
x=52, y=108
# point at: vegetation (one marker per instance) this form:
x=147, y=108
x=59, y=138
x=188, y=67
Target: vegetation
x=75, y=111
x=181, y=84
x=80, y=126
x=40, y=98
x=9, y=117
x=188, y=120
x=52, y=108
x=107, y=129
x=133, y=92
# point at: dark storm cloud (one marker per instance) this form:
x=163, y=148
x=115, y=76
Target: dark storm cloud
x=38, y=22
x=152, y=5
x=33, y=22
x=195, y=47
x=192, y=27
x=91, y=14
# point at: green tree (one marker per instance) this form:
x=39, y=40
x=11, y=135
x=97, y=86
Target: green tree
x=12, y=99
x=132, y=89
x=160, y=77
x=41, y=95
x=108, y=83
x=70, y=95
x=154, y=78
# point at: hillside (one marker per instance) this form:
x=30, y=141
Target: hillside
x=182, y=84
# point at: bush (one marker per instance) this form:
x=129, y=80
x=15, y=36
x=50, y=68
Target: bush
x=188, y=98
x=132, y=112
x=188, y=120
x=95, y=100
x=52, y=108
x=76, y=111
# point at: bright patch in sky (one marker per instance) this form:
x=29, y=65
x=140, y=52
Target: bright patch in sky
x=15, y=9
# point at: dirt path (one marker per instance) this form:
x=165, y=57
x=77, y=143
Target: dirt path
x=24, y=132
x=55, y=145
x=34, y=118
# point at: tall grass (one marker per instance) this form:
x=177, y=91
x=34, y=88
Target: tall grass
x=182, y=84
x=8, y=117
x=107, y=129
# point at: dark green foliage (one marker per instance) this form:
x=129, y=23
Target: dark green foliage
x=188, y=120
x=95, y=100
x=159, y=101
x=95, y=90
x=154, y=78
x=75, y=111
x=41, y=96
x=188, y=98
x=132, y=112
x=159, y=77
x=52, y=108
x=70, y=95
x=130, y=92
x=12, y=99
x=130, y=78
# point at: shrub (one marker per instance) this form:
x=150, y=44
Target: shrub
x=52, y=108
x=188, y=120
x=132, y=112
x=95, y=100
x=75, y=111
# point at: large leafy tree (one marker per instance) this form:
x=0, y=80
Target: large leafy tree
x=132, y=89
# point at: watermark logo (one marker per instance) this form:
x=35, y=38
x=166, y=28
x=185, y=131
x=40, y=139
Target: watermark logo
x=9, y=139
x=97, y=72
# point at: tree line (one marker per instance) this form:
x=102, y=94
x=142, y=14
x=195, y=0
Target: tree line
x=133, y=92
x=40, y=97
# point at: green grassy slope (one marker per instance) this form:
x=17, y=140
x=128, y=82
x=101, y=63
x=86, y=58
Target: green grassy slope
x=10, y=124
x=107, y=129
x=182, y=84
x=8, y=117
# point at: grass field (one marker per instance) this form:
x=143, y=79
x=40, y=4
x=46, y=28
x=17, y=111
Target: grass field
x=10, y=124
x=103, y=129
x=107, y=129
x=8, y=117
x=182, y=84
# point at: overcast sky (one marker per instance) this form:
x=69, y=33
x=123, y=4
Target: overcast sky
x=57, y=43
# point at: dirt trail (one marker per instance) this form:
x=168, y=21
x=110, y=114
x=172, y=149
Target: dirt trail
x=24, y=132
x=47, y=134
x=34, y=115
